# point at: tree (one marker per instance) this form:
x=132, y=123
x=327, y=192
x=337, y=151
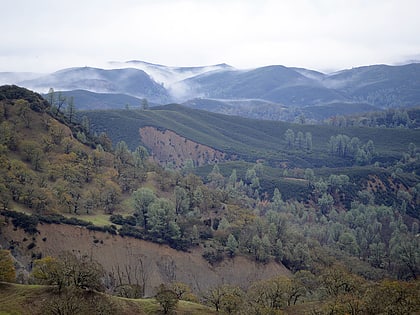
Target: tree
x=162, y=221
x=347, y=242
x=33, y=153
x=105, y=142
x=412, y=149
x=49, y=270
x=290, y=138
x=182, y=201
x=309, y=175
x=7, y=268
x=232, y=299
x=277, y=201
x=60, y=101
x=166, y=298
x=325, y=203
x=252, y=178
x=182, y=290
x=142, y=198
x=269, y=295
x=110, y=195
x=405, y=252
x=68, y=270
x=140, y=156
x=51, y=97
x=393, y=297
x=122, y=153
x=308, y=141
x=261, y=248
x=215, y=178
x=225, y=297
x=232, y=245
x=73, y=301
x=24, y=111
x=144, y=104
x=233, y=178
x=188, y=167
x=300, y=140
x=86, y=124
x=71, y=109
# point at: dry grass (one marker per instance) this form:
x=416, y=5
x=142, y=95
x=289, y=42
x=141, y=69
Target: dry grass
x=29, y=299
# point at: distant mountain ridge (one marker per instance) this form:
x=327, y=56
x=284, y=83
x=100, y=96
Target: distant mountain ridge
x=223, y=88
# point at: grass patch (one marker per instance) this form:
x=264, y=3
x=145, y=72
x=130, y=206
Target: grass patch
x=96, y=219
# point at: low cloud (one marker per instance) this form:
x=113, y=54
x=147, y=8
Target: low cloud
x=47, y=35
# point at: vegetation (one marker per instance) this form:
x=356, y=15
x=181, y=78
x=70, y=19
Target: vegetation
x=249, y=139
x=7, y=269
x=348, y=232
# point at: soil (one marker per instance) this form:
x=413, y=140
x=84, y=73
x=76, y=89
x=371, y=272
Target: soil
x=168, y=147
x=141, y=260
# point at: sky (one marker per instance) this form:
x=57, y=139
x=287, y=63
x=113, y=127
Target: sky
x=324, y=35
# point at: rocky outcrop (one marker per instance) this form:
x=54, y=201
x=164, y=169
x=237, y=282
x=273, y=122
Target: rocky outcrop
x=169, y=148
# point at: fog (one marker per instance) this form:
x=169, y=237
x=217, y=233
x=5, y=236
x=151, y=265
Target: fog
x=325, y=35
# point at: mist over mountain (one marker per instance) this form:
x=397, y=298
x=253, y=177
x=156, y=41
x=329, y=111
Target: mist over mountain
x=129, y=81
x=274, y=91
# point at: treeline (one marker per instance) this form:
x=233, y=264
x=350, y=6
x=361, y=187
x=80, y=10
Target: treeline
x=391, y=118
x=76, y=279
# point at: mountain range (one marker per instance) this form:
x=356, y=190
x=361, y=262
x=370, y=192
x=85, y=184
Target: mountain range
x=273, y=92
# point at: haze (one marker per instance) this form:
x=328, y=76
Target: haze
x=325, y=35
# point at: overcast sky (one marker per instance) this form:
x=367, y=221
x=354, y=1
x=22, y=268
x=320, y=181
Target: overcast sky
x=48, y=35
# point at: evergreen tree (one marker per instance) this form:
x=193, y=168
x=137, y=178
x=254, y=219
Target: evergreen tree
x=232, y=245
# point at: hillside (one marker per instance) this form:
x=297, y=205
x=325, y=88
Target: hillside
x=159, y=263
x=87, y=100
x=246, y=138
x=83, y=216
x=30, y=300
x=239, y=139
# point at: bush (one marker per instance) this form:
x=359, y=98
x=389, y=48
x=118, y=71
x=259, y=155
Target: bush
x=127, y=230
x=31, y=245
x=111, y=229
x=20, y=220
x=213, y=256
x=120, y=220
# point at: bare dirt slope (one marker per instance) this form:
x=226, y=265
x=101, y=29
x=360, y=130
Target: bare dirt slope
x=152, y=262
x=169, y=147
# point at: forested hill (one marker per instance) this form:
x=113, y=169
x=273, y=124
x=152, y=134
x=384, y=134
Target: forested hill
x=299, y=145
x=319, y=240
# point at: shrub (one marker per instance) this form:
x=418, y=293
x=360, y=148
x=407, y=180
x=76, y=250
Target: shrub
x=20, y=220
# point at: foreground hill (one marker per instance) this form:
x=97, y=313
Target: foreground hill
x=31, y=299
x=52, y=171
x=143, y=261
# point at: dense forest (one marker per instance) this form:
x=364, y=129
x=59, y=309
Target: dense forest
x=346, y=226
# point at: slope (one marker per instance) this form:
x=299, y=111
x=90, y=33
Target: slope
x=380, y=85
x=247, y=138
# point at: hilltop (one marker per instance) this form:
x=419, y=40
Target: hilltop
x=272, y=92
